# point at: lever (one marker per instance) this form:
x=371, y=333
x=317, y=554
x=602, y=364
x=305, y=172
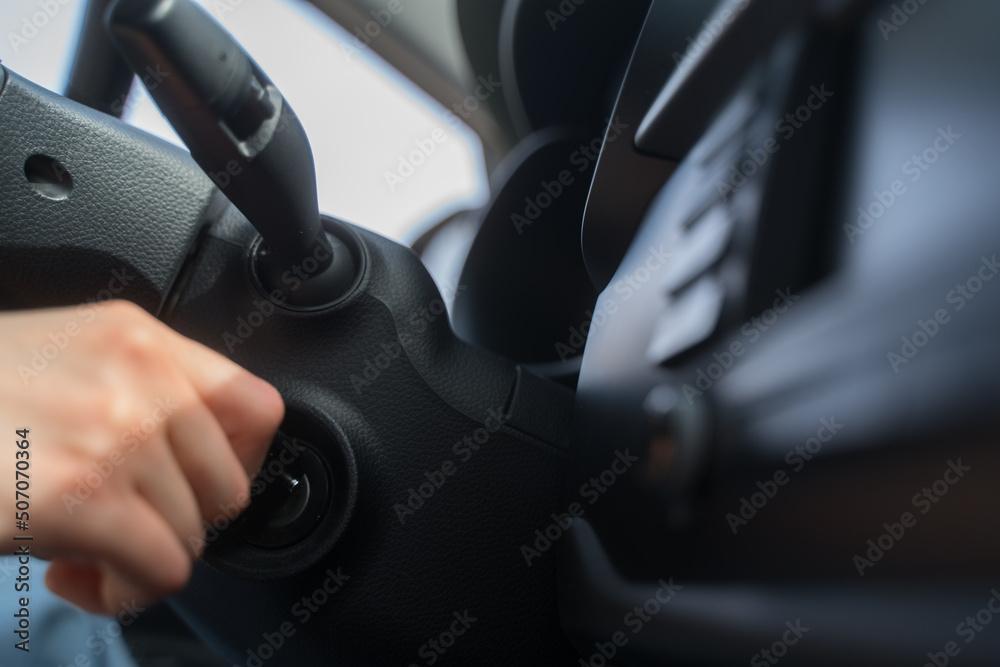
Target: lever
x=240, y=131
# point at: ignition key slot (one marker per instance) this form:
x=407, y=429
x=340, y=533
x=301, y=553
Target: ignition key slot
x=301, y=502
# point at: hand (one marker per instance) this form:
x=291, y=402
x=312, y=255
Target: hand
x=138, y=435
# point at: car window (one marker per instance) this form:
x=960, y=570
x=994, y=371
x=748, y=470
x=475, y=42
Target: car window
x=387, y=155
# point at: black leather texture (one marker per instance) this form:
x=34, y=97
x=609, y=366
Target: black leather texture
x=405, y=395
x=123, y=231
x=407, y=572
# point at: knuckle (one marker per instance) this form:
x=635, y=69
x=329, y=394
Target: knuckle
x=126, y=327
x=120, y=308
x=174, y=576
x=139, y=344
x=119, y=414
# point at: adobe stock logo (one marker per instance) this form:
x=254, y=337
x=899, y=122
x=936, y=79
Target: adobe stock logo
x=604, y=310
x=550, y=191
x=711, y=29
x=381, y=19
x=925, y=331
x=102, y=469
x=779, y=649
x=635, y=620
x=33, y=23
x=561, y=14
x=61, y=339
x=434, y=649
x=914, y=169
x=796, y=459
x=416, y=158
x=591, y=491
x=757, y=157
x=705, y=378
x=899, y=17
x=924, y=500
x=464, y=449
x=969, y=629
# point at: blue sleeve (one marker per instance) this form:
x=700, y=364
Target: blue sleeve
x=61, y=635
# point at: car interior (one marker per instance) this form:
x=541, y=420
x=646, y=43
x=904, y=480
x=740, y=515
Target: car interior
x=706, y=381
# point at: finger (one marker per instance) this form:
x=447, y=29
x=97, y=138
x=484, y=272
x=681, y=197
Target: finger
x=116, y=593
x=248, y=409
x=210, y=466
x=159, y=478
x=78, y=583
x=134, y=540
x=93, y=587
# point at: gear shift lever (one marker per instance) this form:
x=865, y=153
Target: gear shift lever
x=242, y=133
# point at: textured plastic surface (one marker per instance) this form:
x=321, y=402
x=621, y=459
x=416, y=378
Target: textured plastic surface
x=235, y=122
x=124, y=230
x=383, y=367
x=526, y=284
x=408, y=397
x=100, y=78
x=611, y=220
x=554, y=74
x=864, y=388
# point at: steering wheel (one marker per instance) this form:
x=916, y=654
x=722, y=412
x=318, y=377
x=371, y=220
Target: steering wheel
x=410, y=465
x=731, y=356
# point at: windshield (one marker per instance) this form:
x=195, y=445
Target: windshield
x=388, y=156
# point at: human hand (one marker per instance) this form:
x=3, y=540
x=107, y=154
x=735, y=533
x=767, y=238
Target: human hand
x=137, y=434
